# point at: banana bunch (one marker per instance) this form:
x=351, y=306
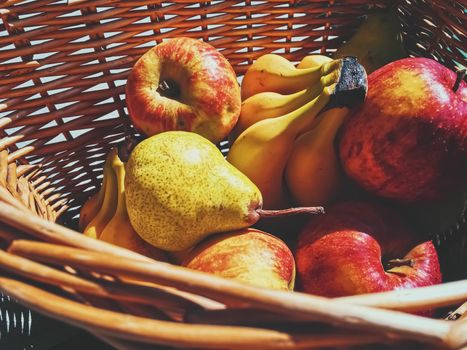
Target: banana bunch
x=99, y=209
x=284, y=139
x=104, y=215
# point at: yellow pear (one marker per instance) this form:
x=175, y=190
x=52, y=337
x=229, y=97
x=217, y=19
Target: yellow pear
x=180, y=189
x=119, y=231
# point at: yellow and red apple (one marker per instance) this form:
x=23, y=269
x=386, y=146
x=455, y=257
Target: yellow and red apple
x=408, y=142
x=183, y=84
x=249, y=256
x=363, y=247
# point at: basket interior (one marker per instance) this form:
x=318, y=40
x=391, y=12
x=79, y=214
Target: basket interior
x=64, y=65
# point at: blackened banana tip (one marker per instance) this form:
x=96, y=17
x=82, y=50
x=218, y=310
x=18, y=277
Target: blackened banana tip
x=352, y=86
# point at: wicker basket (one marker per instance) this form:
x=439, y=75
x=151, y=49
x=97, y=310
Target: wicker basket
x=62, y=107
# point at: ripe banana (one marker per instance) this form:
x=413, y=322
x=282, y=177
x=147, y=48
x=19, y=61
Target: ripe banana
x=274, y=73
x=91, y=207
x=262, y=150
x=109, y=203
x=313, y=61
x=272, y=104
x=118, y=230
x=313, y=173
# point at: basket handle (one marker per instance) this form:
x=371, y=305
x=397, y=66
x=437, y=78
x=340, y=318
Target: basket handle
x=312, y=308
x=13, y=214
x=139, y=329
x=457, y=337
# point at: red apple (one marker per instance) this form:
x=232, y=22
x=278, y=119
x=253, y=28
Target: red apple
x=183, y=84
x=249, y=256
x=361, y=247
x=408, y=141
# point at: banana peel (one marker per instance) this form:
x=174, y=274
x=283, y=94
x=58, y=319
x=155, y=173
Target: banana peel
x=109, y=202
x=313, y=174
x=92, y=206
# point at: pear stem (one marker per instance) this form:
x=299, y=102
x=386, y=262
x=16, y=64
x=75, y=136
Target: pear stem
x=264, y=213
x=460, y=77
x=398, y=262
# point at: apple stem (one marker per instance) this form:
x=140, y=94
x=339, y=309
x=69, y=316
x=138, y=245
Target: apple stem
x=125, y=148
x=169, y=88
x=460, y=77
x=399, y=262
x=265, y=213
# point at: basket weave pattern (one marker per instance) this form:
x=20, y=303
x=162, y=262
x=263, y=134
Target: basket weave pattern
x=64, y=65
x=62, y=107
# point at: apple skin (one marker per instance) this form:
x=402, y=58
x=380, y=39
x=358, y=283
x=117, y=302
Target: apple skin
x=341, y=253
x=206, y=98
x=408, y=141
x=249, y=256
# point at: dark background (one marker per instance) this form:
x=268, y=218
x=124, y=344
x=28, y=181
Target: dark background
x=22, y=329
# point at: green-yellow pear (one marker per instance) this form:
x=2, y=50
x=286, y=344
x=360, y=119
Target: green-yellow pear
x=180, y=189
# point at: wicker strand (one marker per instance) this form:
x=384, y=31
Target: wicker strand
x=165, y=298
x=139, y=329
x=398, y=325
x=420, y=299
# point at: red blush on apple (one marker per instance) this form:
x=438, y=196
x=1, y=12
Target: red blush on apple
x=359, y=247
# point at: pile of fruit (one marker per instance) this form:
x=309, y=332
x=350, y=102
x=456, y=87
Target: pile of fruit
x=302, y=137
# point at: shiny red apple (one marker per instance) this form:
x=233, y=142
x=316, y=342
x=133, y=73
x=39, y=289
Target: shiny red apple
x=183, y=84
x=249, y=256
x=362, y=247
x=408, y=141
